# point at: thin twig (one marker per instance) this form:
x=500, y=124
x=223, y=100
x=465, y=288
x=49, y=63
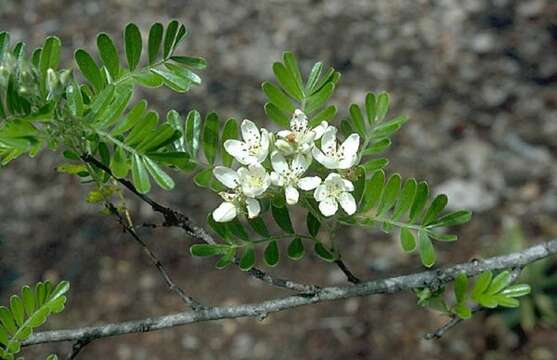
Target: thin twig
x=77, y=347
x=195, y=305
x=174, y=218
x=455, y=320
x=349, y=275
x=426, y=279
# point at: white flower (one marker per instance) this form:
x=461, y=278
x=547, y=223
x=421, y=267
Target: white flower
x=254, y=180
x=300, y=138
x=246, y=183
x=343, y=157
x=255, y=147
x=332, y=191
x=289, y=176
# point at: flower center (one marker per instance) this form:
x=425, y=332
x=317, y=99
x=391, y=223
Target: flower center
x=334, y=189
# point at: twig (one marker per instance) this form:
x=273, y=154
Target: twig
x=349, y=275
x=455, y=320
x=426, y=279
x=195, y=305
x=77, y=347
x=173, y=218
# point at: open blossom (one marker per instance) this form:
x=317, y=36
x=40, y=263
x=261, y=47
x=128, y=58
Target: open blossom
x=290, y=177
x=255, y=147
x=331, y=192
x=246, y=184
x=300, y=138
x=332, y=157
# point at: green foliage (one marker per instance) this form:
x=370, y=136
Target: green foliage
x=487, y=291
x=539, y=308
x=27, y=312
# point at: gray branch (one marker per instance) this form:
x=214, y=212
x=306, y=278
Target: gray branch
x=428, y=279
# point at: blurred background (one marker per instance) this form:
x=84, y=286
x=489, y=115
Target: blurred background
x=478, y=80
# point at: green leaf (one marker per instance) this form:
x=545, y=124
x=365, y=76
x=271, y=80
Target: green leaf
x=516, y=290
x=191, y=61
x=375, y=164
x=419, y=201
x=390, y=193
x=237, y=229
x=358, y=120
x=460, y=287
x=462, y=311
x=406, y=198
x=161, y=178
x=175, y=82
x=192, y=132
x=382, y=106
x=274, y=113
x=278, y=98
x=170, y=38
x=226, y=259
x=258, y=225
x=374, y=189
x=211, y=137
x=248, y=259
x=427, y=252
x=139, y=175
x=317, y=100
x=185, y=73
x=89, y=69
x=313, y=224
x=407, y=240
x=501, y=281
x=377, y=147
x=28, y=300
x=292, y=67
x=109, y=55
x=454, y=218
x=18, y=312
x=132, y=45
x=203, y=178
x=50, y=57
x=282, y=218
x=437, y=205
x=324, y=115
x=208, y=249
x=296, y=249
x=230, y=131
x=287, y=81
x=371, y=109
x=271, y=254
x=154, y=41
x=323, y=253
x=443, y=237
x=506, y=301
x=313, y=77
x=481, y=284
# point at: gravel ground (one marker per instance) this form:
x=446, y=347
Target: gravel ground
x=478, y=80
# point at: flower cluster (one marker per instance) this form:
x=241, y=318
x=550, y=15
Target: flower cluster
x=291, y=153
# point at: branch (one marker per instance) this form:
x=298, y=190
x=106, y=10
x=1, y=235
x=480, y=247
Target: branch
x=427, y=279
x=173, y=218
x=349, y=274
x=195, y=305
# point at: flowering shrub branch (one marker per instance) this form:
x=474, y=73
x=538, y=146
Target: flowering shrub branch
x=326, y=169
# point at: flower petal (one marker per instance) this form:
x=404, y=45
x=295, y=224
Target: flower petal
x=250, y=133
x=320, y=129
x=347, y=184
x=328, y=162
x=347, y=202
x=284, y=133
x=226, y=176
x=329, y=141
x=253, y=207
x=300, y=164
x=276, y=179
x=238, y=149
x=309, y=182
x=350, y=146
x=225, y=212
x=279, y=162
x=320, y=193
x=284, y=146
x=292, y=195
x=299, y=121
x=328, y=207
